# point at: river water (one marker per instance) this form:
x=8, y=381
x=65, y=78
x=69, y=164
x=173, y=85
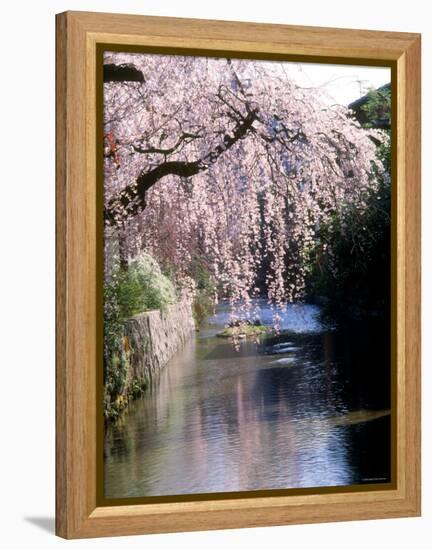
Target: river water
x=307, y=408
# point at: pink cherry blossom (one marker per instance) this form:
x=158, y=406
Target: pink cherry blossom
x=230, y=161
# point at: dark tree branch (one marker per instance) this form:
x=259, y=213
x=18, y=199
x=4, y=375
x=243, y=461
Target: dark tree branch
x=238, y=82
x=122, y=73
x=186, y=137
x=221, y=97
x=132, y=199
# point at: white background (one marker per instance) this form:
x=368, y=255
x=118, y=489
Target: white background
x=27, y=271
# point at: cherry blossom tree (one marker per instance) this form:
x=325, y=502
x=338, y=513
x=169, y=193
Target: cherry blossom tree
x=231, y=161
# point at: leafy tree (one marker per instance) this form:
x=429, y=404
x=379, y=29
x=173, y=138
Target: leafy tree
x=377, y=108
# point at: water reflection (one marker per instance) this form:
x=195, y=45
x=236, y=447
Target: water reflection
x=292, y=412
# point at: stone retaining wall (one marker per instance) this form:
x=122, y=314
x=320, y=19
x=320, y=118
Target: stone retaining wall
x=154, y=337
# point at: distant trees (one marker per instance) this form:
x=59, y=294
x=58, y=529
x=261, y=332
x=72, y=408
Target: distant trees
x=228, y=161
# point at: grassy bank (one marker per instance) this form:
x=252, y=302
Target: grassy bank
x=243, y=330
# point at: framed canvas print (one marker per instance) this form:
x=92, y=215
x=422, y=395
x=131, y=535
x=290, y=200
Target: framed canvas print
x=238, y=287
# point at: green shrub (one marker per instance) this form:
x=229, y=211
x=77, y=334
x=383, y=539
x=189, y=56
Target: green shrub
x=202, y=306
x=149, y=288
x=355, y=277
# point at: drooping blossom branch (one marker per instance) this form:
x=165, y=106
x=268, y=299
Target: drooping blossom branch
x=231, y=162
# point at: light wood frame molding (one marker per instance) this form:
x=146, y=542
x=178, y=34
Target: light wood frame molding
x=77, y=512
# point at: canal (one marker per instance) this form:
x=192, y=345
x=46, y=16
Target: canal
x=309, y=407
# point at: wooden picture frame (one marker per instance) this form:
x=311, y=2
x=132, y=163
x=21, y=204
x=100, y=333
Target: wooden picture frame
x=78, y=298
